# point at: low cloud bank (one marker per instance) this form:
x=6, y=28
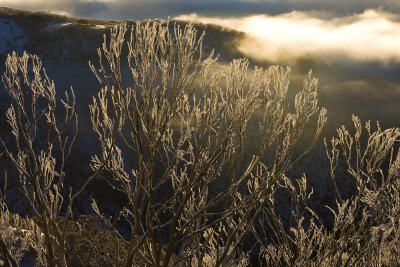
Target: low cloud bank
x=369, y=36
x=139, y=9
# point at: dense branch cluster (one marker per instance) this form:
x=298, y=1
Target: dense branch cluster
x=173, y=127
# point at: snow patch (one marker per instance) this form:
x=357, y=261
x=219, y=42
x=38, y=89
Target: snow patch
x=100, y=27
x=57, y=26
x=12, y=37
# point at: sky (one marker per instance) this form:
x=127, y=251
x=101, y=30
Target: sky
x=138, y=9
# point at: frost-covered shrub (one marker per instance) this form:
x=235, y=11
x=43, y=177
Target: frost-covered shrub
x=174, y=130
x=173, y=141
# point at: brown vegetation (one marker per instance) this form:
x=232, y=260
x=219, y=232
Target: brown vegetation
x=174, y=140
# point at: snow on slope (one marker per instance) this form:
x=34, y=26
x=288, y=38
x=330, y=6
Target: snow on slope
x=12, y=37
x=57, y=26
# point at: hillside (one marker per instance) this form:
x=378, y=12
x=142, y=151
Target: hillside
x=56, y=37
x=66, y=45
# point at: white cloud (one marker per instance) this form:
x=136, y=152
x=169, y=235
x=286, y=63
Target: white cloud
x=369, y=36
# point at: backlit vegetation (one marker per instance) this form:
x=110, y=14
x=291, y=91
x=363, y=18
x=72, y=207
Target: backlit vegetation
x=173, y=130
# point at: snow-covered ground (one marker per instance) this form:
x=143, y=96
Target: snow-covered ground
x=57, y=26
x=12, y=37
x=100, y=27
